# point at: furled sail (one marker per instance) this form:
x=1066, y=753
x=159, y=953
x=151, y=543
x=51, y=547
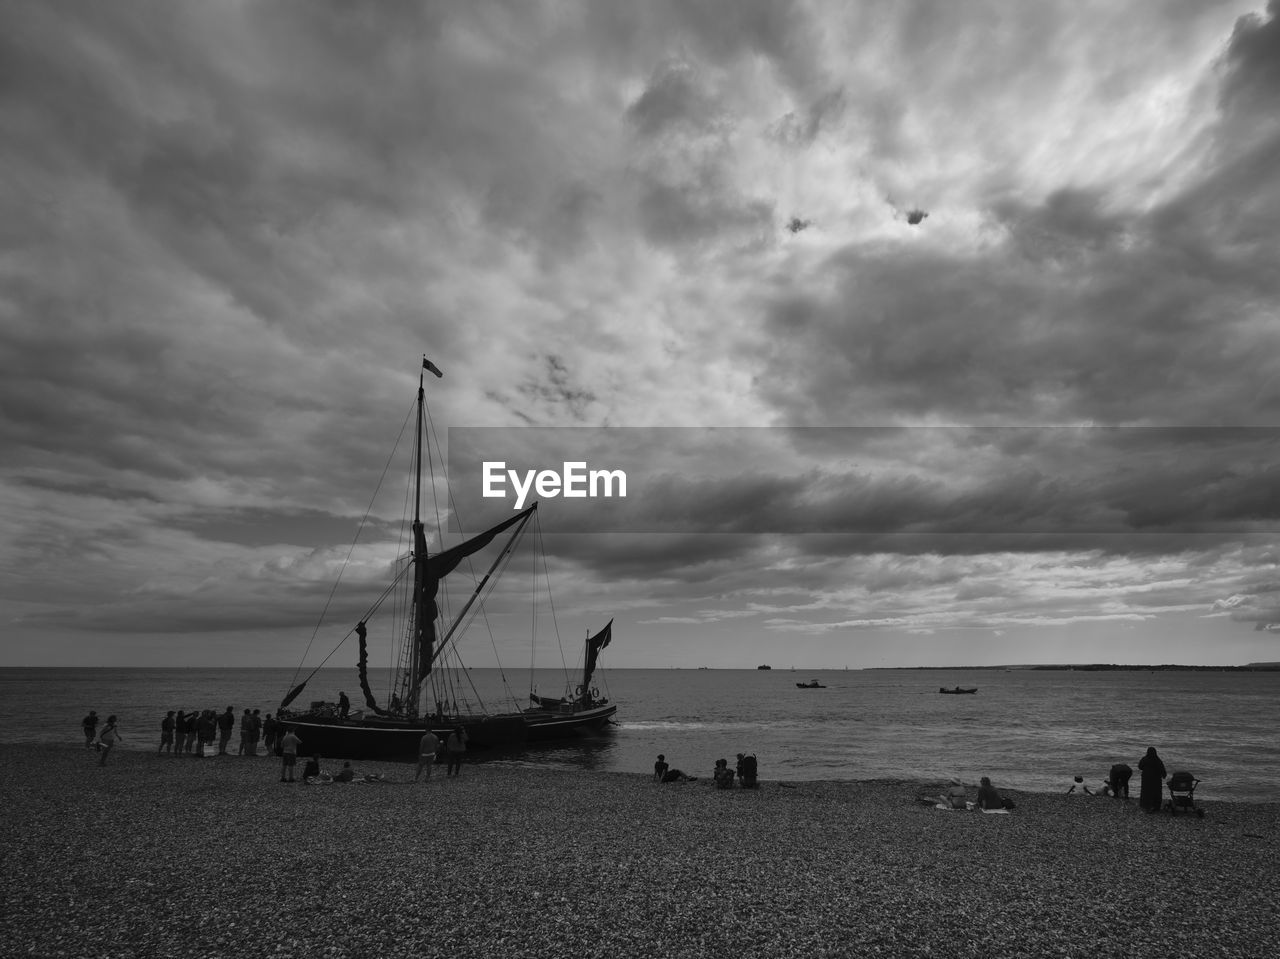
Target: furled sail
x=293, y=694
x=427, y=578
x=369, y=699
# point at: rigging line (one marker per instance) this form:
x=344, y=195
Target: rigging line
x=430, y=432
x=512, y=548
x=401, y=611
x=533, y=620
x=453, y=505
x=351, y=549
x=469, y=611
x=459, y=627
x=430, y=436
x=372, y=609
x=550, y=600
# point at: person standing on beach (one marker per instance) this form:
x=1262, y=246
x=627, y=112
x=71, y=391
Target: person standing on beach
x=246, y=723
x=270, y=734
x=193, y=731
x=109, y=737
x=289, y=747
x=428, y=747
x=255, y=731
x=226, y=722
x=456, y=747
x=179, y=732
x=207, y=731
x=90, y=726
x=166, y=731
x=344, y=704
x=1153, y=775
x=1118, y=780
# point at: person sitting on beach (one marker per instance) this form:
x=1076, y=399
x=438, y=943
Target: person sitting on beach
x=660, y=768
x=312, y=769
x=747, y=771
x=723, y=775
x=677, y=776
x=956, y=796
x=1078, y=784
x=345, y=775
x=988, y=796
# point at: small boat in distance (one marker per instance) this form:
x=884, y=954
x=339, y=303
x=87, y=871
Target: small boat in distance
x=764, y=666
x=811, y=684
x=958, y=690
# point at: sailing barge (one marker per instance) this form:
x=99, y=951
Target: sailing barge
x=422, y=696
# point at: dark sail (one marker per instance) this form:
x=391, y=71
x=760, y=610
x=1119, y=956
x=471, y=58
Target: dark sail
x=594, y=644
x=424, y=626
x=427, y=577
x=364, y=672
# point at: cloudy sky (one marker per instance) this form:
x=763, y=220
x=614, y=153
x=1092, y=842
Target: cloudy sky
x=1034, y=244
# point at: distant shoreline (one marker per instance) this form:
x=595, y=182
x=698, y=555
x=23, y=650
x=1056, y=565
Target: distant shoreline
x=1070, y=667
x=1106, y=667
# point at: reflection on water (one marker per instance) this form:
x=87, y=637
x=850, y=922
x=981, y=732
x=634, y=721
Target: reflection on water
x=587, y=752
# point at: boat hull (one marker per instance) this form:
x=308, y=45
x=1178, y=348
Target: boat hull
x=550, y=725
x=360, y=738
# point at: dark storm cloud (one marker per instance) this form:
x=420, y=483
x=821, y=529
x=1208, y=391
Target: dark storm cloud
x=1024, y=486
x=1253, y=56
x=226, y=226
x=1073, y=315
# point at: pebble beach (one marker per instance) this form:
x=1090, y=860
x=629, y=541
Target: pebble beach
x=156, y=856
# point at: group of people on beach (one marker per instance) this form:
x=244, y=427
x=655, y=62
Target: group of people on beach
x=197, y=733
x=988, y=799
x=745, y=773
x=1116, y=785
x=192, y=733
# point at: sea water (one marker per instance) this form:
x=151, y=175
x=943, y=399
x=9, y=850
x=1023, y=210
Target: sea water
x=1026, y=729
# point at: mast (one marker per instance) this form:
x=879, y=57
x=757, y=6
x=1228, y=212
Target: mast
x=444, y=563
x=419, y=554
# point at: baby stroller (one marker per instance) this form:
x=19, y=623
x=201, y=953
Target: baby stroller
x=1182, y=790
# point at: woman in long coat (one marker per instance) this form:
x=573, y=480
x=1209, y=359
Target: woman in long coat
x=1153, y=773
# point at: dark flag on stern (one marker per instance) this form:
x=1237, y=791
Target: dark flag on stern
x=428, y=365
